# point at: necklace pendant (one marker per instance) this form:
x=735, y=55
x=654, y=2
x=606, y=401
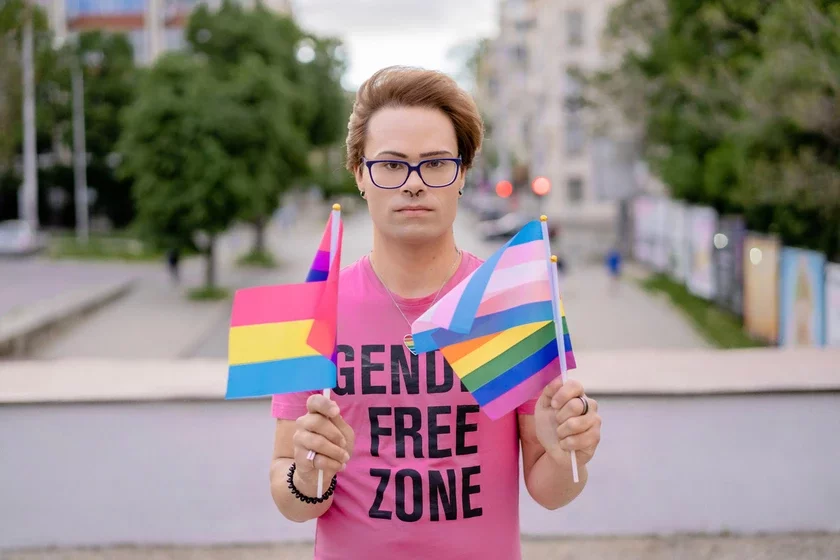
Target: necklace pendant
x=408, y=340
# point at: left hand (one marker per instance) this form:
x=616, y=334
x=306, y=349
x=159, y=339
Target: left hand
x=561, y=426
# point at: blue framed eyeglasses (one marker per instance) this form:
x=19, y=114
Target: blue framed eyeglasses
x=393, y=173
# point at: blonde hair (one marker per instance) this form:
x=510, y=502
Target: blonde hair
x=400, y=86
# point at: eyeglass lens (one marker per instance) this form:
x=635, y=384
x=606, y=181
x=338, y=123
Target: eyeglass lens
x=435, y=173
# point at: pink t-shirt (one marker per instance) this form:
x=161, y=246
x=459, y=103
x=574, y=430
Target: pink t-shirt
x=431, y=476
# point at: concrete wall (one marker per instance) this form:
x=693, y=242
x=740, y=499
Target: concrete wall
x=187, y=472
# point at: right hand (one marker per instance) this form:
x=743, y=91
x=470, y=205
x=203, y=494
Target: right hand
x=324, y=431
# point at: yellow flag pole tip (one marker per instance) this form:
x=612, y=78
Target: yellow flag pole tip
x=554, y=258
x=543, y=218
x=336, y=206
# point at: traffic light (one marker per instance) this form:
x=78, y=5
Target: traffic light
x=541, y=186
x=504, y=189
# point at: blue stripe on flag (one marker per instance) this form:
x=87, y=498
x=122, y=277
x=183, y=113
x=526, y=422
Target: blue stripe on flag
x=435, y=339
x=531, y=365
x=311, y=373
x=317, y=275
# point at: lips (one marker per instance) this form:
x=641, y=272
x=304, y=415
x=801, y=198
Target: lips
x=415, y=209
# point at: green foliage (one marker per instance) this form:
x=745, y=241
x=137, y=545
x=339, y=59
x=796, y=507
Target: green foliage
x=718, y=326
x=737, y=104
x=208, y=293
x=102, y=247
x=174, y=144
x=257, y=259
x=290, y=105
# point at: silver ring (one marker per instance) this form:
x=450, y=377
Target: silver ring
x=585, y=402
x=311, y=456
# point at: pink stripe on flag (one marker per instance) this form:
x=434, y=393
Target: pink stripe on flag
x=514, y=297
x=570, y=360
x=526, y=390
x=520, y=254
x=325, y=239
x=275, y=304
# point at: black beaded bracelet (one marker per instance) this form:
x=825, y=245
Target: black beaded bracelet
x=308, y=499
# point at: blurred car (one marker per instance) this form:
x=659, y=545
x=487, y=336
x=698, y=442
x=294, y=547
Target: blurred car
x=507, y=226
x=19, y=238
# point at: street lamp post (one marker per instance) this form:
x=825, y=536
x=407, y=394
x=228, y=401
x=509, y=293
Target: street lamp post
x=29, y=194
x=80, y=153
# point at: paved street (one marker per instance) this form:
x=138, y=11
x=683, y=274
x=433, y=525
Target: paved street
x=784, y=547
x=156, y=321
x=598, y=321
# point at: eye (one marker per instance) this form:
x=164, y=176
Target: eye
x=435, y=163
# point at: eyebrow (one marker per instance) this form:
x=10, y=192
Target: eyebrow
x=423, y=155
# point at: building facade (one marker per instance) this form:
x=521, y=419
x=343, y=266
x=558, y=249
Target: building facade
x=152, y=26
x=538, y=117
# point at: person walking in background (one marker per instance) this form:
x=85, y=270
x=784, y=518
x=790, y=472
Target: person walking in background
x=173, y=259
x=614, y=269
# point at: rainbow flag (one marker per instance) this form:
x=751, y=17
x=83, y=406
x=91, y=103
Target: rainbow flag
x=497, y=327
x=283, y=338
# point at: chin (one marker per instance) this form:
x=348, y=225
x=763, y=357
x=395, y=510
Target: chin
x=416, y=233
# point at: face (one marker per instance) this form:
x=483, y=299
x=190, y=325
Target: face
x=413, y=213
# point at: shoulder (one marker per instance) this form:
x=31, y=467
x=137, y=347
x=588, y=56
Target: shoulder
x=471, y=262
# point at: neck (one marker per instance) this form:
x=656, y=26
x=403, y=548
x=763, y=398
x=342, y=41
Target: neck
x=413, y=271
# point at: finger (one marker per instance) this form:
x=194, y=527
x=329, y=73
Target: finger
x=307, y=467
x=575, y=407
x=346, y=431
x=571, y=389
x=577, y=425
x=587, y=440
x=550, y=390
x=309, y=441
x=318, y=424
x=319, y=404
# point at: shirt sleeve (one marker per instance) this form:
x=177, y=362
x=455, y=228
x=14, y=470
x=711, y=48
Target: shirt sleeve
x=527, y=407
x=290, y=406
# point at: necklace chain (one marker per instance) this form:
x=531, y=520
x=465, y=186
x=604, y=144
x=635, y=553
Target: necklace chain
x=446, y=280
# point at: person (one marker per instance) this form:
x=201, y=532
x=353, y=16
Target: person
x=412, y=467
x=613, y=262
x=173, y=259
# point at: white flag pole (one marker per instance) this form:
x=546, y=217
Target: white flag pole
x=554, y=281
x=336, y=219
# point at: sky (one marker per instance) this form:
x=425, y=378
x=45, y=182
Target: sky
x=379, y=33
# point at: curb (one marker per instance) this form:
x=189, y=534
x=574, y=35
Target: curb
x=20, y=331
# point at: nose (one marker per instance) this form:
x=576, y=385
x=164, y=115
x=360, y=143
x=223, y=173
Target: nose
x=414, y=185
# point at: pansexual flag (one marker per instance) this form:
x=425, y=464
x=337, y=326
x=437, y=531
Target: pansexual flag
x=282, y=338
x=496, y=328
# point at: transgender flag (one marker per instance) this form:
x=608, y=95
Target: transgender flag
x=502, y=329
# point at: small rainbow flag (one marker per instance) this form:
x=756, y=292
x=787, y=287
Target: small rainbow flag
x=283, y=338
x=497, y=327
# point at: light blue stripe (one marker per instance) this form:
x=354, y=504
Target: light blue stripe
x=312, y=373
x=434, y=339
x=464, y=315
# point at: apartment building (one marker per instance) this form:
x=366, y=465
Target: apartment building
x=537, y=112
x=152, y=26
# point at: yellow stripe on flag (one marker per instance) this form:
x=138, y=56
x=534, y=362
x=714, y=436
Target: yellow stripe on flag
x=494, y=347
x=271, y=341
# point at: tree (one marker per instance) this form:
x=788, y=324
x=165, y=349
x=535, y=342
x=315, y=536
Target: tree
x=736, y=104
x=174, y=146
x=289, y=83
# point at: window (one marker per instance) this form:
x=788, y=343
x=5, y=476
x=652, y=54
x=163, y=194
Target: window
x=574, y=189
x=575, y=134
x=574, y=28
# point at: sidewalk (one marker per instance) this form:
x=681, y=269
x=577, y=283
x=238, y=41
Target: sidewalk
x=781, y=547
x=157, y=321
